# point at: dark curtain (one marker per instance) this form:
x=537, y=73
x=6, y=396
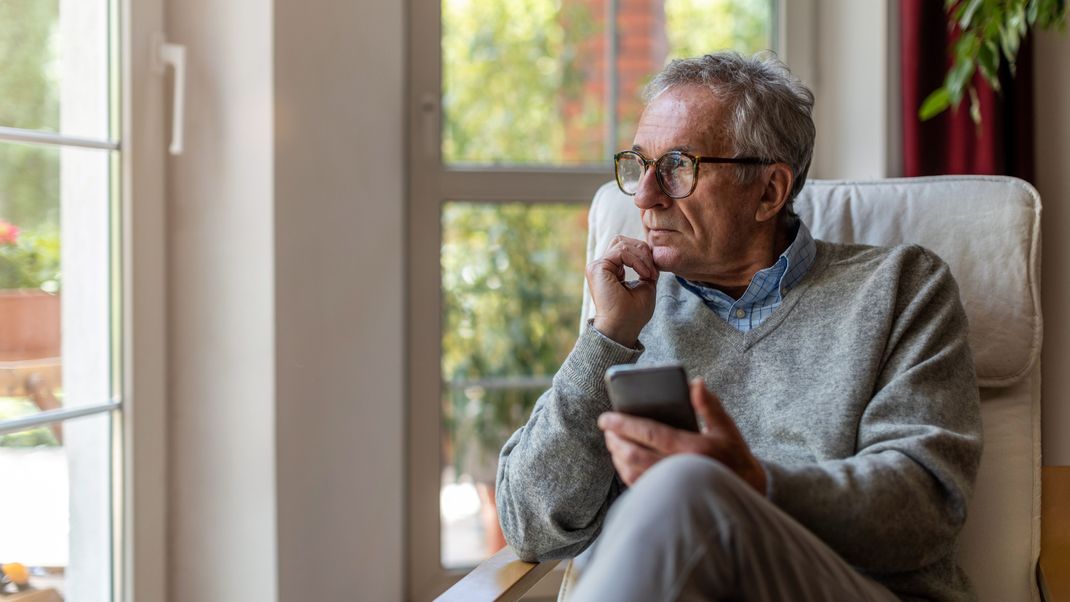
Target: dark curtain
x=951, y=143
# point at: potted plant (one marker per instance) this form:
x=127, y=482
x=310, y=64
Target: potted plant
x=989, y=33
x=29, y=293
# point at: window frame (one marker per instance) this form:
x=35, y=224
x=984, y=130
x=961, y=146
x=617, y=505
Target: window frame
x=141, y=489
x=432, y=184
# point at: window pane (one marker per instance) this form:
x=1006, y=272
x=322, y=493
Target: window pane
x=54, y=278
x=522, y=81
x=55, y=66
x=56, y=508
x=529, y=81
x=650, y=34
x=512, y=284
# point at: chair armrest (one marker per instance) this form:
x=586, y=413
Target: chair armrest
x=502, y=578
x=1054, y=570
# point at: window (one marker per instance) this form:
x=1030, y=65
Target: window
x=517, y=108
x=64, y=295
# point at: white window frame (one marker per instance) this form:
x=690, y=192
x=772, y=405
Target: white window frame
x=430, y=185
x=142, y=487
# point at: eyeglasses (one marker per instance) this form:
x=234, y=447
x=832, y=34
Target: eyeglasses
x=676, y=171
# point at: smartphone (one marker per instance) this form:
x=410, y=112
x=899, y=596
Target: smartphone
x=658, y=392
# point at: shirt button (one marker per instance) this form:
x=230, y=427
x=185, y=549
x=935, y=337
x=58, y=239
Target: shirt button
x=740, y=313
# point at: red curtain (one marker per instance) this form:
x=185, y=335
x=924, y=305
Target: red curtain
x=951, y=143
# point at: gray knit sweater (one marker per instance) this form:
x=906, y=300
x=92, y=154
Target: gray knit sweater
x=858, y=395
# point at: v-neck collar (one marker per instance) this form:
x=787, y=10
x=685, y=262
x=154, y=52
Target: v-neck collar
x=693, y=308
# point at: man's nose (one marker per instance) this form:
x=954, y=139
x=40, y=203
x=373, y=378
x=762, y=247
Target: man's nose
x=649, y=194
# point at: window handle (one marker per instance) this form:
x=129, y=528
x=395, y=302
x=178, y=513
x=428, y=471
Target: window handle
x=428, y=107
x=164, y=54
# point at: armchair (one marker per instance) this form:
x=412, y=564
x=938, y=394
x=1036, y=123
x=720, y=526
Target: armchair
x=988, y=230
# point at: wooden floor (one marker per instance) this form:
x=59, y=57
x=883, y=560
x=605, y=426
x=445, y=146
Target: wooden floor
x=1055, y=532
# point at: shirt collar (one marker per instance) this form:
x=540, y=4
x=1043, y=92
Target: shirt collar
x=771, y=283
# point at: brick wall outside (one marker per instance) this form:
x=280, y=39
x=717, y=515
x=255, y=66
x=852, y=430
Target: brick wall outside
x=641, y=50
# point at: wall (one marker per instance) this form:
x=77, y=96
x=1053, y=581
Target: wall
x=339, y=252
x=285, y=328
x=1052, y=86
x=854, y=55
x=221, y=311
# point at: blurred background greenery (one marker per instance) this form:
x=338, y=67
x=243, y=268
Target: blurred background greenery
x=531, y=83
x=29, y=176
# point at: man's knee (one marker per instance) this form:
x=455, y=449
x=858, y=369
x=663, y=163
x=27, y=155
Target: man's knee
x=693, y=489
x=693, y=476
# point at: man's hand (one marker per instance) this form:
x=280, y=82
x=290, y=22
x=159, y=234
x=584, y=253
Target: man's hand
x=623, y=308
x=636, y=443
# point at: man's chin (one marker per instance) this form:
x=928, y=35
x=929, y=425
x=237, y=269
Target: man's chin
x=666, y=259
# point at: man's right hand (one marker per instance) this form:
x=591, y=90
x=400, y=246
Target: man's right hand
x=623, y=308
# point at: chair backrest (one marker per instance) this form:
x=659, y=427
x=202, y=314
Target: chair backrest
x=988, y=231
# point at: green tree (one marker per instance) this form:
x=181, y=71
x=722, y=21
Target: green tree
x=512, y=282
x=697, y=27
x=29, y=176
x=506, y=67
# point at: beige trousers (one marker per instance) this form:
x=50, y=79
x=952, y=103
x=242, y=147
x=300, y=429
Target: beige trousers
x=690, y=529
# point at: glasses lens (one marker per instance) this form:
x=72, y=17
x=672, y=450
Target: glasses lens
x=677, y=173
x=629, y=172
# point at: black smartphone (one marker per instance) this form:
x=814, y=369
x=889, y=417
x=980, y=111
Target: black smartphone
x=658, y=392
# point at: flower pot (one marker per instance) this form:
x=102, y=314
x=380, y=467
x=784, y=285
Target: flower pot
x=29, y=324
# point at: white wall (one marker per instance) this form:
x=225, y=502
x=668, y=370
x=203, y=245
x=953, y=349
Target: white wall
x=855, y=97
x=221, y=309
x=285, y=294
x=1052, y=92
x=339, y=199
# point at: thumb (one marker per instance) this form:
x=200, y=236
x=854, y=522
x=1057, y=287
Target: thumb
x=708, y=407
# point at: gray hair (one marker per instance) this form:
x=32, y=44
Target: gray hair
x=771, y=110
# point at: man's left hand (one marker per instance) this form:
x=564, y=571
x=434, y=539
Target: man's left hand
x=636, y=444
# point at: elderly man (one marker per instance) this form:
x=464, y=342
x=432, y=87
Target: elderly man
x=842, y=434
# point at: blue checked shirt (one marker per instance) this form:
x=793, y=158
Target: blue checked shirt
x=767, y=288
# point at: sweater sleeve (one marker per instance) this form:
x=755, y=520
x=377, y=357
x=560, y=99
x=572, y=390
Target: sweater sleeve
x=900, y=501
x=555, y=478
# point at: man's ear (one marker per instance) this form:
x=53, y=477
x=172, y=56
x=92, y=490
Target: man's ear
x=777, y=188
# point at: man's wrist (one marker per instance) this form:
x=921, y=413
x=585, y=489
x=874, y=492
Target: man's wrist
x=618, y=335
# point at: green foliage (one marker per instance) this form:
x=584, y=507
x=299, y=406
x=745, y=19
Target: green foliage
x=506, y=67
x=990, y=31
x=29, y=176
x=31, y=261
x=697, y=27
x=510, y=67
x=512, y=278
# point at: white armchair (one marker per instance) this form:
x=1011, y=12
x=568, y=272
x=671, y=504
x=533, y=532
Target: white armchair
x=988, y=230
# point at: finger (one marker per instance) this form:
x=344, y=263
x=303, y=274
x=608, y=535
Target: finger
x=649, y=433
x=634, y=259
x=616, y=258
x=630, y=460
x=638, y=249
